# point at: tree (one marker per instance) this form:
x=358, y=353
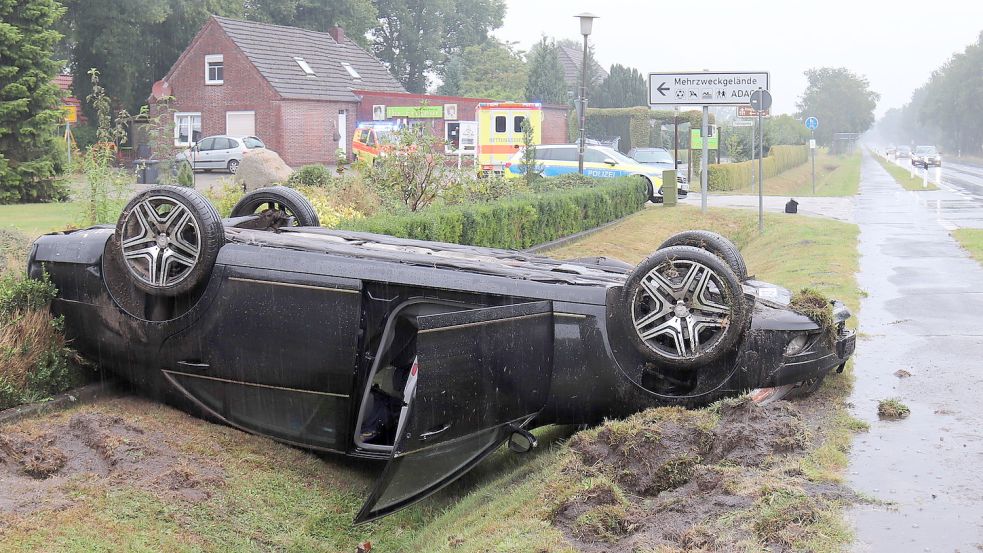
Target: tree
x=624, y=87
x=493, y=70
x=785, y=129
x=453, y=77
x=357, y=17
x=30, y=158
x=546, y=82
x=416, y=38
x=841, y=100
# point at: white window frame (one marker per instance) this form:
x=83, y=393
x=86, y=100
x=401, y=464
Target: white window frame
x=212, y=58
x=351, y=71
x=190, y=115
x=305, y=67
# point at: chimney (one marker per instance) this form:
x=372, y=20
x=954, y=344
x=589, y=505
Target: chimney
x=338, y=34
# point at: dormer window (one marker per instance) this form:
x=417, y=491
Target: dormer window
x=214, y=69
x=307, y=68
x=351, y=70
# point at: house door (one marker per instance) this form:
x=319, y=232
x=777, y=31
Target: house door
x=343, y=130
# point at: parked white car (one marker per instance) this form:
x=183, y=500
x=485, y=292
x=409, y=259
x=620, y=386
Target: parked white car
x=219, y=152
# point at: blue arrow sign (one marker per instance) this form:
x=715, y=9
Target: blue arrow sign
x=812, y=123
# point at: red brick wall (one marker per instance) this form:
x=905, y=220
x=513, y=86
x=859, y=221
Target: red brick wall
x=555, y=123
x=243, y=89
x=310, y=130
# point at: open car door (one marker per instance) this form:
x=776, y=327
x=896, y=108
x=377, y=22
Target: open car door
x=478, y=375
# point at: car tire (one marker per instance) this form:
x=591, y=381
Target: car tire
x=654, y=196
x=714, y=243
x=278, y=197
x=683, y=307
x=171, y=226
x=233, y=166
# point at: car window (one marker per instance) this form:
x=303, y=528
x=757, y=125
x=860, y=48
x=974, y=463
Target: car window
x=518, y=123
x=565, y=154
x=206, y=144
x=501, y=123
x=252, y=142
x=652, y=156
x=593, y=155
x=227, y=143
x=545, y=154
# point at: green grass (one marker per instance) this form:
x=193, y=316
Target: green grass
x=903, y=177
x=37, y=219
x=835, y=176
x=972, y=240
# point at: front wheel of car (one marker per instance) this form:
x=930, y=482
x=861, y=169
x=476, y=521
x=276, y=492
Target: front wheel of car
x=278, y=198
x=168, y=238
x=233, y=166
x=683, y=307
x=654, y=196
x=714, y=243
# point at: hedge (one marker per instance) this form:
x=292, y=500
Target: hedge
x=517, y=222
x=732, y=176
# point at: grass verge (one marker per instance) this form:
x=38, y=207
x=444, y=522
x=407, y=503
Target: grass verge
x=972, y=240
x=903, y=177
x=272, y=497
x=835, y=176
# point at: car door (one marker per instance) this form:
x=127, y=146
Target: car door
x=225, y=149
x=595, y=164
x=478, y=375
x=202, y=155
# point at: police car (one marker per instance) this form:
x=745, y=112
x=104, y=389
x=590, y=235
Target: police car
x=599, y=161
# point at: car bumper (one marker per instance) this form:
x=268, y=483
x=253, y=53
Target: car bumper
x=818, y=361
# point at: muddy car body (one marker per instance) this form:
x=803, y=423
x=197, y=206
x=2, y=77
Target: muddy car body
x=427, y=354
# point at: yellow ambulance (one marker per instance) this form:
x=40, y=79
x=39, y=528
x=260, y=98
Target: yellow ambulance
x=500, y=132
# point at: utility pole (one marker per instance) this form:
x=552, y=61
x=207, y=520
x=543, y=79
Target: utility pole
x=586, y=23
x=761, y=174
x=704, y=174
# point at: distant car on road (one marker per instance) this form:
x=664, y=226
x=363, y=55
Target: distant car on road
x=599, y=162
x=903, y=151
x=219, y=152
x=890, y=151
x=657, y=157
x=926, y=156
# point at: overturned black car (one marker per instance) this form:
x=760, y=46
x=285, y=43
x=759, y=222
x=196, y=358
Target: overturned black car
x=427, y=354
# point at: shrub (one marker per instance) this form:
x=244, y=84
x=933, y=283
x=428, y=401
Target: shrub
x=564, y=182
x=732, y=176
x=414, y=174
x=225, y=195
x=185, y=175
x=311, y=175
x=468, y=189
x=520, y=221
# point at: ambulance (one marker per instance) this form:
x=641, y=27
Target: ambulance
x=372, y=140
x=500, y=132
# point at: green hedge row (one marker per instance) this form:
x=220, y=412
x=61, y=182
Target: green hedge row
x=517, y=222
x=732, y=176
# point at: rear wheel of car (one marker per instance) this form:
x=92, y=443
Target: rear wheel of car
x=168, y=239
x=233, y=166
x=683, y=307
x=654, y=196
x=713, y=243
x=278, y=198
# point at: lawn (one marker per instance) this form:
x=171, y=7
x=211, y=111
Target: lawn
x=972, y=240
x=272, y=497
x=835, y=176
x=903, y=177
x=36, y=219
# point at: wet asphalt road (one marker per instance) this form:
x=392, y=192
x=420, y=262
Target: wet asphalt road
x=923, y=314
x=963, y=206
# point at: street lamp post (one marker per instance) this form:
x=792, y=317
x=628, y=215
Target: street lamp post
x=586, y=22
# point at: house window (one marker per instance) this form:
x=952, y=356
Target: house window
x=214, y=69
x=351, y=70
x=187, y=128
x=304, y=65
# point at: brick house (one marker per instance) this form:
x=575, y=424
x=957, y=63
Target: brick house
x=291, y=87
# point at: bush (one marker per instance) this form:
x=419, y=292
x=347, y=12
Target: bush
x=516, y=222
x=732, y=176
x=469, y=189
x=311, y=175
x=185, y=175
x=564, y=182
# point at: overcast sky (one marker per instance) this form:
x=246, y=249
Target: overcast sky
x=895, y=48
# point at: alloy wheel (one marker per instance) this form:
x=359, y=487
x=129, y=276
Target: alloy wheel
x=679, y=309
x=160, y=241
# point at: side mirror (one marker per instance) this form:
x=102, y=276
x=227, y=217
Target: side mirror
x=610, y=161
x=522, y=441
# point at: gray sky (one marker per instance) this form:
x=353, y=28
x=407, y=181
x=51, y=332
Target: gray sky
x=895, y=48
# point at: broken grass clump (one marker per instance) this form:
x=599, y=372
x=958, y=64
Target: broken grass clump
x=819, y=309
x=892, y=409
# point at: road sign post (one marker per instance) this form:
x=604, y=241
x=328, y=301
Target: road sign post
x=704, y=165
x=761, y=101
x=812, y=124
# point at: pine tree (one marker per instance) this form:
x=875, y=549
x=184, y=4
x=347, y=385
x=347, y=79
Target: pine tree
x=546, y=82
x=30, y=156
x=624, y=87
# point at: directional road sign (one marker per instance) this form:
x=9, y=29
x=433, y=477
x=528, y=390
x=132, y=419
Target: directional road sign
x=748, y=111
x=812, y=123
x=704, y=88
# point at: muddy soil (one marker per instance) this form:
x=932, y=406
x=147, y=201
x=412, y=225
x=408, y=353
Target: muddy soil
x=667, y=477
x=40, y=463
